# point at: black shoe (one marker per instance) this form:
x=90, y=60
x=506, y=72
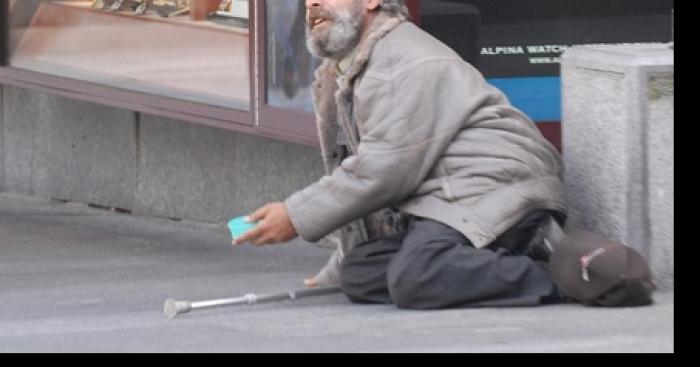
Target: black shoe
x=539, y=248
x=541, y=245
x=540, y=251
x=556, y=297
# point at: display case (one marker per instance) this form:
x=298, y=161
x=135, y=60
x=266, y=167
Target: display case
x=186, y=59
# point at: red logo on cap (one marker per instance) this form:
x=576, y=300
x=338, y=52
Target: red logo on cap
x=586, y=260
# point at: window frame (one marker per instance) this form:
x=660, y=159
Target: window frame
x=287, y=121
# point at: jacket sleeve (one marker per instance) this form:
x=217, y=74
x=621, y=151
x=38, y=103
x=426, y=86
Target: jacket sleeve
x=406, y=121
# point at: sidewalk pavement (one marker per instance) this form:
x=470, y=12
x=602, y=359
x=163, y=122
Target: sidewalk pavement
x=78, y=279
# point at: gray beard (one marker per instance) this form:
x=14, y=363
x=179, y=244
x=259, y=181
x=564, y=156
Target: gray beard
x=341, y=37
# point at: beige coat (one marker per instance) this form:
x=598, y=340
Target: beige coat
x=428, y=136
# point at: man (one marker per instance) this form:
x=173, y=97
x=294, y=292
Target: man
x=441, y=191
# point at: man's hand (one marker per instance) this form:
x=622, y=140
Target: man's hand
x=311, y=282
x=273, y=226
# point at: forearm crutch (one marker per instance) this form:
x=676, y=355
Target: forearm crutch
x=173, y=308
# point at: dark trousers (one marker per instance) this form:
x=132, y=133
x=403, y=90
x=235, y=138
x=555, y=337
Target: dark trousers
x=433, y=266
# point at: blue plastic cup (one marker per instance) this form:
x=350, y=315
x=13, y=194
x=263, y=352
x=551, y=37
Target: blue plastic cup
x=239, y=226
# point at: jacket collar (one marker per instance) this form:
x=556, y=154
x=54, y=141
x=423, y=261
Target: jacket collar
x=326, y=90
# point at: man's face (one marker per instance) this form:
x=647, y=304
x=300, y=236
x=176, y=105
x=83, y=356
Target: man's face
x=334, y=27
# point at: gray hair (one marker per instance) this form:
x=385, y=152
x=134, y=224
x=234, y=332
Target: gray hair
x=395, y=7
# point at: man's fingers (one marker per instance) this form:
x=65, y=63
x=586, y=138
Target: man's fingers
x=270, y=236
x=259, y=214
x=264, y=240
x=272, y=226
x=250, y=236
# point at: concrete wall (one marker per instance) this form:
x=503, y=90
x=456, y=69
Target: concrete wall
x=61, y=148
x=617, y=137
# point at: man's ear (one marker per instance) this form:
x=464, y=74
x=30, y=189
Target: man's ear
x=372, y=5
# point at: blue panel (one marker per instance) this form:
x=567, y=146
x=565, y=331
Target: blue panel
x=538, y=97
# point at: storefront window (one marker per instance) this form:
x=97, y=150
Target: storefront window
x=290, y=66
x=192, y=50
x=517, y=44
x=205, y=61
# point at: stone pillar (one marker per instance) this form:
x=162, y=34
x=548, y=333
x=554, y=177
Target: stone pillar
x=617, y=142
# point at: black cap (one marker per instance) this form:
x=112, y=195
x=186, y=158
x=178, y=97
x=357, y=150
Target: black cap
x=597, y=271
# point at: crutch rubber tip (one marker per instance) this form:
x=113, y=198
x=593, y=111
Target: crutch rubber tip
x=173, y=308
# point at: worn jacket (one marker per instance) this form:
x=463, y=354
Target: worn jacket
x=429, y=137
